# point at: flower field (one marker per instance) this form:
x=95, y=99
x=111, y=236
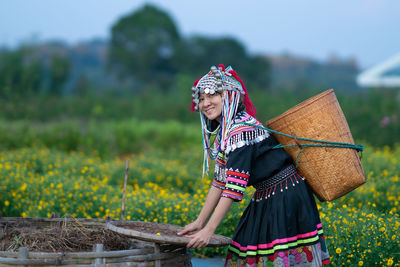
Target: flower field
x=362, y=228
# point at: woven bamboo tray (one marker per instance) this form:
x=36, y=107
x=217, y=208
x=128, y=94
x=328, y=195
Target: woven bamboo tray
x=139, y=253
x=160, y=233
x=331, y=172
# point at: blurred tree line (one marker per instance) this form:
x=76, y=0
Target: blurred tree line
x=25, y=72
x=146, y=47
x=145, y=71
x=146, y=51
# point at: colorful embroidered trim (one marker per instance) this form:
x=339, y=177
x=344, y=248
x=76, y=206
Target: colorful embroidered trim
x=313, y=255
x=218, y=184
x=278, y=244
x=236, y=182
x=241, y=134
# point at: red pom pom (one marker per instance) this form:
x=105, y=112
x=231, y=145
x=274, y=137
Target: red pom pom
x=250, y=108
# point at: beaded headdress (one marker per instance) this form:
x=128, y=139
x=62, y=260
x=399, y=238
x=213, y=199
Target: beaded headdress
x=233, y=92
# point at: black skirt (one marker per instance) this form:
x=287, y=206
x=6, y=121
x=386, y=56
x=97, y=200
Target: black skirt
x=280, y=226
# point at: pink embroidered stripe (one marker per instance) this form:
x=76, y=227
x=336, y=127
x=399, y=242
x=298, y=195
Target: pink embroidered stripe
x=241, y=130
x=244, y=119
x=277, y=241
x=231, y=179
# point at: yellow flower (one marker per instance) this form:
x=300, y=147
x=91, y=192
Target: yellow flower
x=6, y=202
x=23, y=187
x=390, y=262
x=338, y=250
x=360, y=263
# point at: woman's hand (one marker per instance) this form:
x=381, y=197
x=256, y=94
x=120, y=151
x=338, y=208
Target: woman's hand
x=200, y=239
x=190, y=228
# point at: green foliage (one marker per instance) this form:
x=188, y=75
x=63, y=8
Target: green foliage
x=106, y=139
x=19, y=73
x=24, y=73
x=363, y=226
x=373, y=116
x=142, y=45
x=60, y=70
x=147, y=50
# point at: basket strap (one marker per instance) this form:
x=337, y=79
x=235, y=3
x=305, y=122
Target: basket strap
x=322, y=143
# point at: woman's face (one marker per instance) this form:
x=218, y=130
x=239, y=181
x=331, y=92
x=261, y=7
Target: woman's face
x=211, y=106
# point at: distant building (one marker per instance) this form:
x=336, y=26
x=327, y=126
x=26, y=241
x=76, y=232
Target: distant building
x=385, y=74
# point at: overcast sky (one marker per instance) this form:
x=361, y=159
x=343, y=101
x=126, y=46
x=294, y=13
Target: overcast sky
x=365, y=29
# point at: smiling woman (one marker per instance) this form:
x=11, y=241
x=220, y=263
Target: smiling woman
x=281, y=225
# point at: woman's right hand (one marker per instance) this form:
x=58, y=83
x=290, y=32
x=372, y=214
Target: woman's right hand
x=191, y=228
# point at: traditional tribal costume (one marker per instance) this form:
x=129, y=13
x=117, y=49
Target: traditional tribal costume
x=281, y=225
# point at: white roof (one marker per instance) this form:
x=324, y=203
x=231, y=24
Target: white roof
x=385, y=74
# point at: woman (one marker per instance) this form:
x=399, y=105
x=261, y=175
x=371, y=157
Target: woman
x=281, y=225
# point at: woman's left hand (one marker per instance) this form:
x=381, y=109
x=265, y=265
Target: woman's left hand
x=200, y=239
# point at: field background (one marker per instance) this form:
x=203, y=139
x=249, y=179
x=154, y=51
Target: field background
x=56, y=166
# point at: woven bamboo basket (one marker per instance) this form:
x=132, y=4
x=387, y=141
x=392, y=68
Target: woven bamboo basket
x=331, y=172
